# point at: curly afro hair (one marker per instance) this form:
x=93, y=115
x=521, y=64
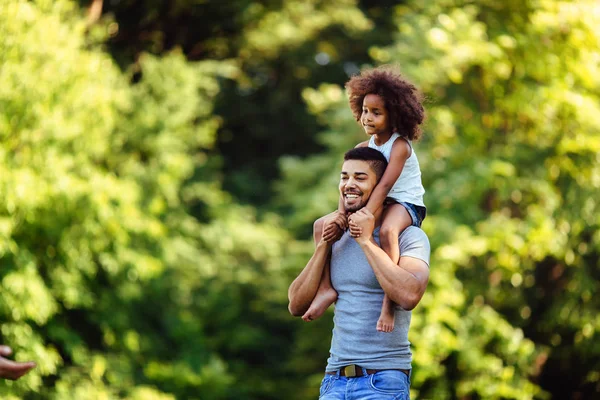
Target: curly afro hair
x=402, y=99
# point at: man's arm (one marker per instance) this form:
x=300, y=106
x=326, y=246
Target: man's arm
x=404, y=283
x=11, y=369
x=303, y=289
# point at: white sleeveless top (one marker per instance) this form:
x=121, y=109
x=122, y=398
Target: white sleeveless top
x=408, y=187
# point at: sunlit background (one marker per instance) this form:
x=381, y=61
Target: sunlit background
x=162, y=162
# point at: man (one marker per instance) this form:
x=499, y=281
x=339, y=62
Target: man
x=364, y=363
x=11, y=369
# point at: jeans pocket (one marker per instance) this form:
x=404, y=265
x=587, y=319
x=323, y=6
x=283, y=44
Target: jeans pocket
x=326, y=384
x=391, y=382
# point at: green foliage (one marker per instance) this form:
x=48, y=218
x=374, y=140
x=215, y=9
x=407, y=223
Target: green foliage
x=108, y=279
x=274, y=45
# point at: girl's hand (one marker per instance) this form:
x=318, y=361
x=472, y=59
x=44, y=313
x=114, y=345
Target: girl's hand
x=362, y=223
x=334, y=227
x=355, y=229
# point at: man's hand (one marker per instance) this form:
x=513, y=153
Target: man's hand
x=10, y=369
x=334, y=226
x=362, y=224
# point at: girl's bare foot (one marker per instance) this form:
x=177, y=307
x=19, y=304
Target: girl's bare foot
x=385, y=322
x=321, y=302
x=386, y=318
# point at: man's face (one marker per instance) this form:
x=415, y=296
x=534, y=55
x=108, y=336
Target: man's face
x=357, y=181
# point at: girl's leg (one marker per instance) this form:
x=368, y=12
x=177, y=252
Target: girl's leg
x=326, y=294
x=395, y=219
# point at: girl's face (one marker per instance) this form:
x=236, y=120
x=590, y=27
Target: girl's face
x=374, y=118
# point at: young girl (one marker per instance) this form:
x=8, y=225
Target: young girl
x=390, y=110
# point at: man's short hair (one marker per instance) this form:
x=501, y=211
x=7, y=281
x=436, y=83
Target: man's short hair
x=373, y=157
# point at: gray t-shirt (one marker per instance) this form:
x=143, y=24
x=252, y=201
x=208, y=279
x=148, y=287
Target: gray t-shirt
x=355, y=338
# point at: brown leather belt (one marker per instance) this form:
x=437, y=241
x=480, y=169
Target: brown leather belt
x=351, y=371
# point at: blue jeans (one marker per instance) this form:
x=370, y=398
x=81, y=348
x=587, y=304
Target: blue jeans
x=417, y=213
x=383, y=385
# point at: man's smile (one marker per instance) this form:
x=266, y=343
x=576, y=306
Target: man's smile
x=352, y=195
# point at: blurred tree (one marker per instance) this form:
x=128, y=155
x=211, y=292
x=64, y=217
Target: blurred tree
x=279, y=47
x=108, y=281
x=510, y=161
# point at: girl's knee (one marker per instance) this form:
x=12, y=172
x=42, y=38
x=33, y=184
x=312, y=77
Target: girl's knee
x=388, y=233
x=318, y=224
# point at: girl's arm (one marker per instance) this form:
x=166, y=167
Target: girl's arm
x=400, y=152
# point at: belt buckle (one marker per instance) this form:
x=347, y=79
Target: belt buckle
x=350, y=371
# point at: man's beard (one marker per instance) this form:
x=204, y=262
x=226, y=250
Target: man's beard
x=354, y=207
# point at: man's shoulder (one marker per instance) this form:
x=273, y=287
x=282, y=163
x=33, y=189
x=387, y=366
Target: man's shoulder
x=415, y=243
x=414, y=233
